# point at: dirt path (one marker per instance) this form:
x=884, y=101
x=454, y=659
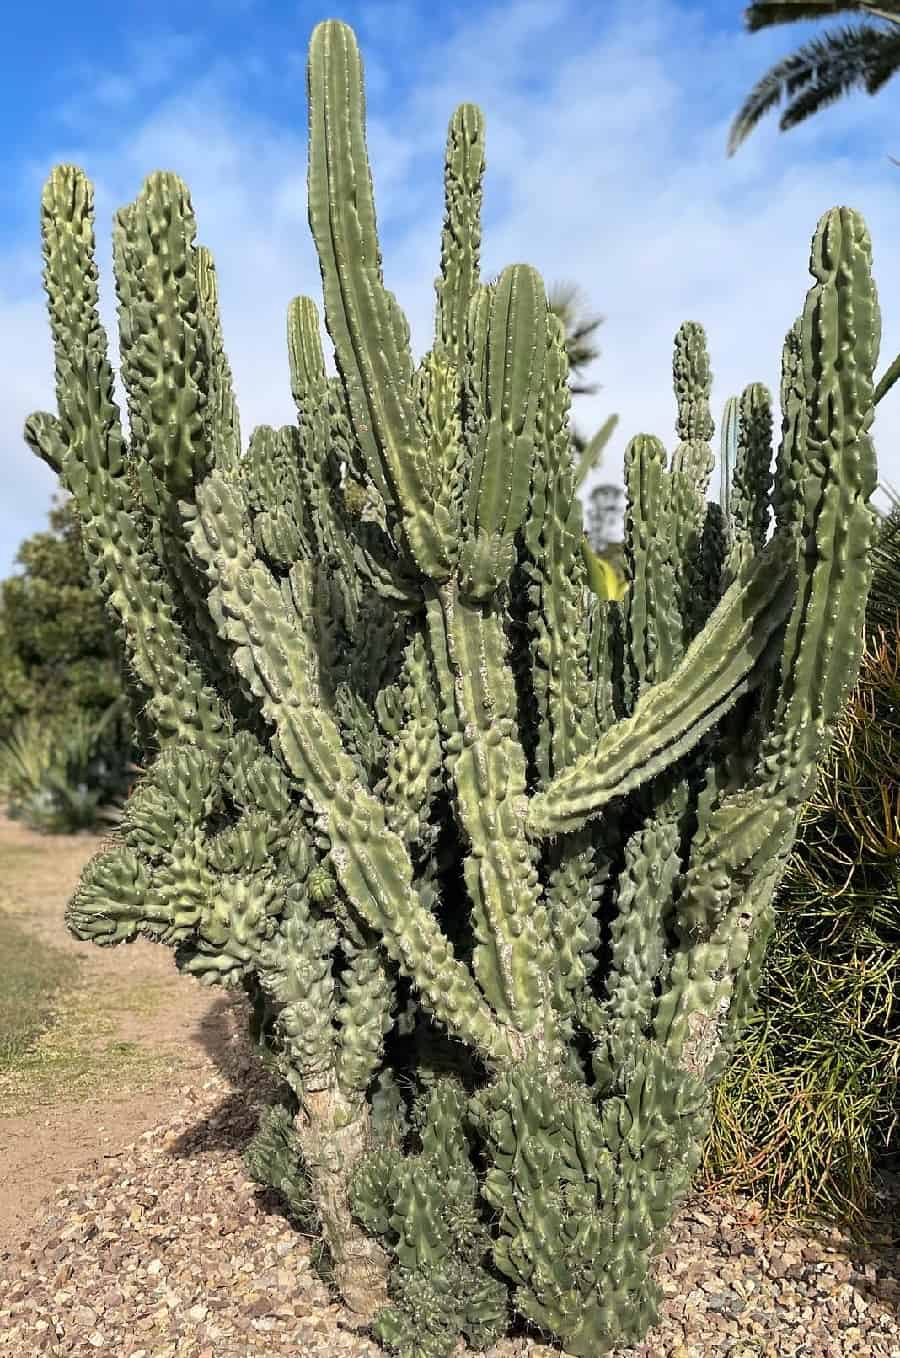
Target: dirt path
x=124, y=1043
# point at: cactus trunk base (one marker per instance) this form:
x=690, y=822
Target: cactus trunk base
x=333, y=1133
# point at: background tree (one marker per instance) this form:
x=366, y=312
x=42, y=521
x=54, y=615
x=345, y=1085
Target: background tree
x=68, y=736
x=565, y=301
x=605, y=500
x=604, y=515
x=856, y=56
x=57, y=652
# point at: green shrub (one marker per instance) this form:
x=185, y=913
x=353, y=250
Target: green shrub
x=58, y=653
x=811, y=1100
x=69, y=775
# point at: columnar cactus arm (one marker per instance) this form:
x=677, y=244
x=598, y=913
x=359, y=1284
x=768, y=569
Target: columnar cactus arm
x=269, y=479
x=730, y=880
x=575, y=882
x=223, y=428
x=720, y=664
x=692, y=463
x=708, y=580
x=167, y=371
x=748, y=503
x=734, y=864
x=95, y=471
x=652, y=616
x=461, y=235
x=414, y=766
x=487, y=764
x=508, y=381
x=318, y=472
x=638, y=939
x=728, y=442
x=125, y=281
x=840, y=337
x=743, y=989
x=164, y=366
x=372, y=863
x=370, y=334
x=554, y=567
x=506, y=352
x=746, y=485
x=364, y=1015
x=667, y=567
x=787, y=495
x=693, y=383
x=606, y=661
x=553, y=572
x=436, y=388
x=788, y=507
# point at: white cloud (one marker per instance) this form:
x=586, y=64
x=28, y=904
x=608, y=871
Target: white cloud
x=605, y=166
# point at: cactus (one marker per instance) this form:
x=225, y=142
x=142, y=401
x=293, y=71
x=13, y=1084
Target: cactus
x=491, y=856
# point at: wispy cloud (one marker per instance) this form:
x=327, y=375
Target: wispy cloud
x=605, y=166
x=148, y=65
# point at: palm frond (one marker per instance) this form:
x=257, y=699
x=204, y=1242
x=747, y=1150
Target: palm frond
x=565, y=301
x=767, y=13
x=889, y=376
x=870, y=75
x=589, y=454
x=818, y=73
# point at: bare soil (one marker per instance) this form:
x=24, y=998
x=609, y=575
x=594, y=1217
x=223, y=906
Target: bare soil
x=123, y=1042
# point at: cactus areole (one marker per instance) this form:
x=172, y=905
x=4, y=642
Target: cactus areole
x=492, y=857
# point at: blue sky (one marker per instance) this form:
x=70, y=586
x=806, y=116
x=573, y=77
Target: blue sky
x=606, y=167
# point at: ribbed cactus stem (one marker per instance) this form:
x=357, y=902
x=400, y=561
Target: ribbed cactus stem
x=651, y=611
x=488, y=768
x=734, y=862
x=461, y=233
x=748, y=499
x=728, y=453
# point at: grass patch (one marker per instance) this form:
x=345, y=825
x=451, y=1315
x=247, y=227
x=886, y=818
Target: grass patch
x=34, y=974
x=145, y=998
x=80, y=1054
x=61, y=1035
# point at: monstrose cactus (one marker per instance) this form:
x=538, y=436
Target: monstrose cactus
x=492, y=858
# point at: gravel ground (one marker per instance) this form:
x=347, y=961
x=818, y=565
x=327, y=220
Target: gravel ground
x=167, y=1250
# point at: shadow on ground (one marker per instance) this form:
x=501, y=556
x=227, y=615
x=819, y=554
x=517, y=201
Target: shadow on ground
x=223, y=1033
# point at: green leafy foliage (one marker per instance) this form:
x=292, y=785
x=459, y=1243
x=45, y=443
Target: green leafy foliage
x=67, y=736
x=58, y=654
x=67, y=775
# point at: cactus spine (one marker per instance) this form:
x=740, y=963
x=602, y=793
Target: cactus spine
x=492, y=857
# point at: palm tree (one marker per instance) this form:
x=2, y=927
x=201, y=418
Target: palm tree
x=565, y=302
x=863, y=56
x=579, y=329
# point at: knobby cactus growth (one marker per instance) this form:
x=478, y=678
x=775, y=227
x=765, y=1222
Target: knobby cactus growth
x=492, y=858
